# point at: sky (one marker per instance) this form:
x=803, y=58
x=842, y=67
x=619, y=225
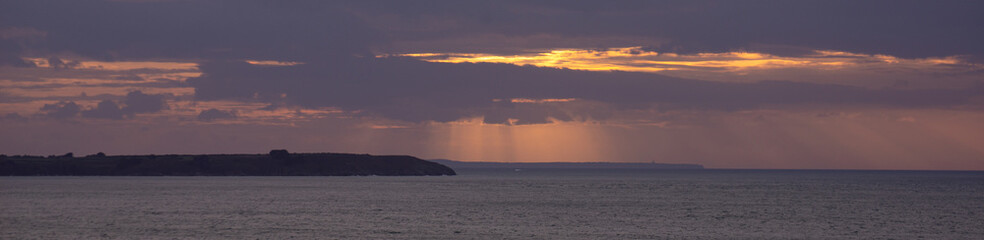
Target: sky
x=726, y=84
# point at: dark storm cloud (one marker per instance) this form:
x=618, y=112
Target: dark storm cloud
x=61, y=110
x=315, y=30
x=13, y=117
x=308, y=30
x=58, y=63
x=138, y=102
x=330, y=36
x=105, y=109
x=13, y=41
x=411, y=90
x=899, y=28
x=12, y=58
x=133, y=103
x=215, y=114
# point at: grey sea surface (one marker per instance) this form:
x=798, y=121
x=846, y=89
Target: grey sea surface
x=503, y=204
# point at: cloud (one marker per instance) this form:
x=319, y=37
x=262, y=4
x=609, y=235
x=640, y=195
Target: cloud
x=215, y=114
x=412, y=90
x=21, y=33
x=816, y=66
x=315, y=30
x=134, y=102
x=130, y=77
x=13, y=41
x=872, y=27
x=61, y=110
x=637, y=59
x=269, y=30
x=105, y=109
x=138, y=102
x=329, y=37
x=313, y=64
x=13, y=117
x=58, y=63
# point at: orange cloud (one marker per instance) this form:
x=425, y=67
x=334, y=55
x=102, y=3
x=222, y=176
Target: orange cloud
x=636, y=59
x=530, y=100
x=273, y=63
x=121, y=65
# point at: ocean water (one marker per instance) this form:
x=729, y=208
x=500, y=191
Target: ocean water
x=503, y=204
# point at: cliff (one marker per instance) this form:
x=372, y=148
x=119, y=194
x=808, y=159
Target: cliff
x=277, y=163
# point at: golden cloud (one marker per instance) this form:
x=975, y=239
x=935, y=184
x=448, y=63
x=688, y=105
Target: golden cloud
x=636, y=59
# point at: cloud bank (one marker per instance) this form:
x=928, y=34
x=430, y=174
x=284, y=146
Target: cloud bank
x=411, y=90
x=793, y=84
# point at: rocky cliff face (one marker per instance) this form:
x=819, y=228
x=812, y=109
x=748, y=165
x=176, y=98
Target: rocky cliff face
x=277, y=163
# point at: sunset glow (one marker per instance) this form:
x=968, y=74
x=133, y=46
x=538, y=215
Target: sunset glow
x=494, y=119
x=637, y=59
x=117, y=66
x=501, y=81
x=547, y=100
x=273, y=63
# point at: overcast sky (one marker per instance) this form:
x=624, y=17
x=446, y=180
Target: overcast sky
x=728, y=84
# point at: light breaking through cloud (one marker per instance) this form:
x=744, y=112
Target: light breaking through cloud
x=884, y=85
x=699, y=65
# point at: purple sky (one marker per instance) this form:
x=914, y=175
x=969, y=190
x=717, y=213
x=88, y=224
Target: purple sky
x=727, y=84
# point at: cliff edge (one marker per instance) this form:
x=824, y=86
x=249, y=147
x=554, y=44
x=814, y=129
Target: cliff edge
x=277, y=163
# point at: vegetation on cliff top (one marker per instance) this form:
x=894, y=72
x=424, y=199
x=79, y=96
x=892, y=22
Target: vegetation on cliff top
x=276, y=163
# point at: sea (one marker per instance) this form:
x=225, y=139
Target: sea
x=504, y=204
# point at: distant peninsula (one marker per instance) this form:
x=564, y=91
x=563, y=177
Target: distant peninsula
x=276, y=163
x=566, y=165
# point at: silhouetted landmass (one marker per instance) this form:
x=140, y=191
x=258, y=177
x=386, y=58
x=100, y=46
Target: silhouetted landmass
x=575, y=165
x=277, y=163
